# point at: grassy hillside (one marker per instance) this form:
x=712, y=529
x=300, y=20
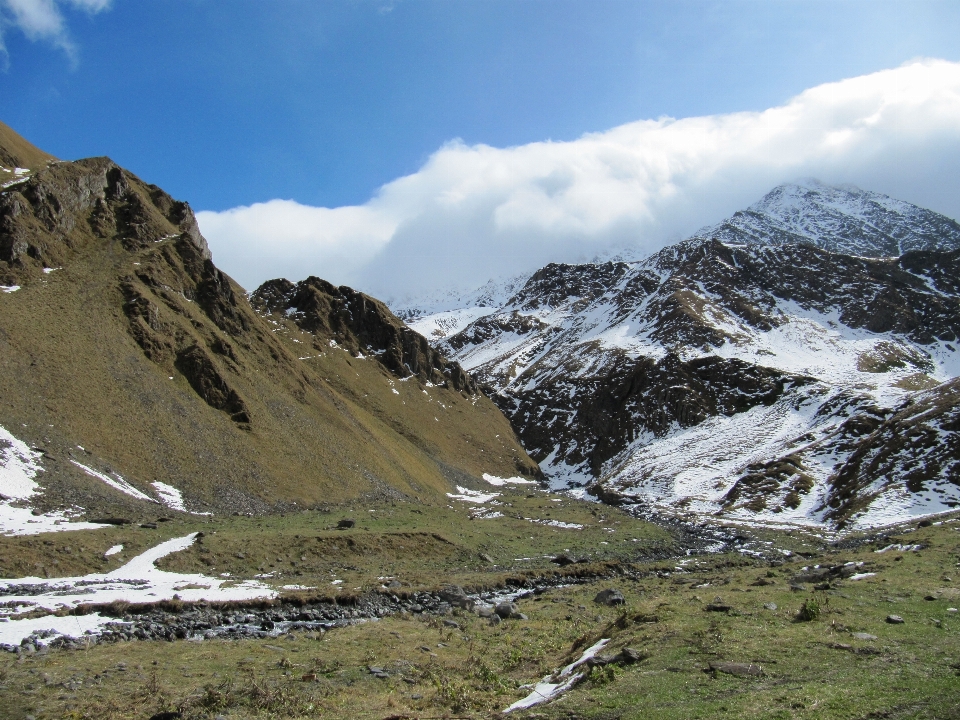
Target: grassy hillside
x=126, y=350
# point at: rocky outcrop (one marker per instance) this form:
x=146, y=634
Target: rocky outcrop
x=62, y=208
x=360, y=324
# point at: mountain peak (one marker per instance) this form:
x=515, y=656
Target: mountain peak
x=838, y=218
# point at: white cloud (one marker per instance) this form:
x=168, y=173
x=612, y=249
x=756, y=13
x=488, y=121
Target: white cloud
x=42, y=19
x=472, y=212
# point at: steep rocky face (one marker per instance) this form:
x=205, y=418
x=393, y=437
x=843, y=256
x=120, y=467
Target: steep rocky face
x=842, y=219
x=128, y=355
x=361, y=325
x=726, y=377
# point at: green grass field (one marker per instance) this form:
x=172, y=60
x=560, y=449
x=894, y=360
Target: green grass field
x=815, y=668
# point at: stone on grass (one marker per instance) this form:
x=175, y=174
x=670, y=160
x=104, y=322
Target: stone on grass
x=506, y=610
x=895, y=620
x=456, y=597
x=864, y=636
x=346, y=524
x=609, y=597
x=737, y=669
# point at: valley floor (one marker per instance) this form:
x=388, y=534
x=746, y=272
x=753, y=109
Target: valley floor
x=713, y=634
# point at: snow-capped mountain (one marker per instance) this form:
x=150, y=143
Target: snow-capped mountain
x=447, y=312
x=843, y=219
x=759, y=379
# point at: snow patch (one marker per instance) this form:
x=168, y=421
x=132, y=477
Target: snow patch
x=558, y=683
x=173, y=498
x=116, y=482
x=500, y=482
x=19, y=466
x=139, y=581
x=472, y=496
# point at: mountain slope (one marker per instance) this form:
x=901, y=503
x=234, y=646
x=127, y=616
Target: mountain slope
x=726, y=377
x=130, y=359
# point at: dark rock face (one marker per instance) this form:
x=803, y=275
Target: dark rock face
x=360, y=324
x=608, y=412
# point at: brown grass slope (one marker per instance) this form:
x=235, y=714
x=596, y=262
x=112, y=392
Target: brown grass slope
x=15, y=152
x=137, y=348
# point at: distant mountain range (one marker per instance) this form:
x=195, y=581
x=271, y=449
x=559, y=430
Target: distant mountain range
x=138, y=372
x=794, y=362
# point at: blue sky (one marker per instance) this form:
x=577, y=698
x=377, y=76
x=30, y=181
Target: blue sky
x=229, y=104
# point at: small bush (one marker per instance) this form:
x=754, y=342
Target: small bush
x=813, y=607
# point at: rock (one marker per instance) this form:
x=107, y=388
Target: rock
x=451, y=624
x=629, y=655
x=150, y=526
x=609, y=597
x=506, y=610
x=925, y=523
x=738, y=669
x=864, y=636
x=520, y=616
x=112, y=521
x=770, y=606
x=626, y=656
x=485, y=611
x=394, y=585
x=895, y=620
x=168, y=715
x=346, y=524
x=563, y=560
x=455, y=595
x=486, y=558
x=952, y=610
x=929, y=597
x=718, y=605
x=495, y=620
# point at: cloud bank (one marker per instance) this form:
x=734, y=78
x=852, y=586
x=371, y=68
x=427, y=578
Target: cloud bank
x=476, y=212
x=43, y=20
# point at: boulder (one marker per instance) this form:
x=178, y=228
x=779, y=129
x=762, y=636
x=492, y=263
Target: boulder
x=506, y=610
x=737, y=669
x=610, y=597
